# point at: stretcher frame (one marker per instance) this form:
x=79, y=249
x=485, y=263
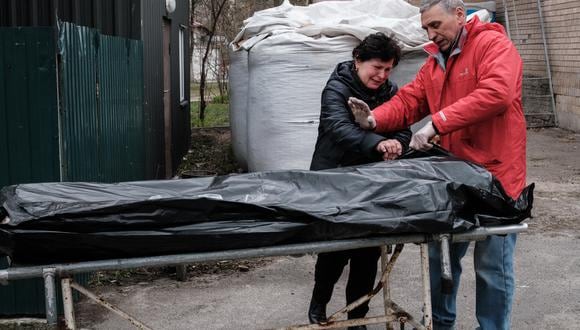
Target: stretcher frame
x=394, y=314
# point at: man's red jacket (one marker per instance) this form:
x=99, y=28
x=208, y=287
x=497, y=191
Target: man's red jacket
x=475, y=102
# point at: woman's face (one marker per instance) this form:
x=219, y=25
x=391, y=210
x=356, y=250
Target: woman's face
x=374, y=72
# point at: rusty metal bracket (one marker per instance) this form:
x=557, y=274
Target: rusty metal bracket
x=377, y=289
x=69, y=283
x=395, y=312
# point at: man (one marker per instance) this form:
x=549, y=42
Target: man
x=471, y=85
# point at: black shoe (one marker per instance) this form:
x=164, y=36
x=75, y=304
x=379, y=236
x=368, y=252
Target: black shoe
x=316, y=312
x=358, y=327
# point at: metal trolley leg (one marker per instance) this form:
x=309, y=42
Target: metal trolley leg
x=427, y=309
x=446, y=275
x=138, y=324
x=68, y=304
x=50, y=296
x=385, y=251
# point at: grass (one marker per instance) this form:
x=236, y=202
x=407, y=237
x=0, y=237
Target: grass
x=211, y=90
x=216, y=115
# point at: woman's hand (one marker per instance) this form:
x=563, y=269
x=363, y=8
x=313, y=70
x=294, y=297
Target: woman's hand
x=391, y=149
x=362, y=113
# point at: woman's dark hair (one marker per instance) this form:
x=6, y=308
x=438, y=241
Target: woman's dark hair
x=377, y=45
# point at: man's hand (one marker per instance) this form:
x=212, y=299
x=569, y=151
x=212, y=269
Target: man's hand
x=391, y=149
x=362, y=113
x=420, y=140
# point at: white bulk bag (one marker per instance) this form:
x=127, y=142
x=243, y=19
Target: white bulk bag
x=287, y=75
x=238, y=104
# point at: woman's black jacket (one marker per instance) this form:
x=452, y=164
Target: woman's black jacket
x=341, y=142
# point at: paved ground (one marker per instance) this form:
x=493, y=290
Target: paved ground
x=275, y=292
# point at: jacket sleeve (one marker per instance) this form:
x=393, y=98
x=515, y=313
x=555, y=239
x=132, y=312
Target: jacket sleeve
x=498, y=75
x=408, y=106
x=337, y=121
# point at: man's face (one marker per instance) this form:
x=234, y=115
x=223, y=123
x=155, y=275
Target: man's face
x=442, y=26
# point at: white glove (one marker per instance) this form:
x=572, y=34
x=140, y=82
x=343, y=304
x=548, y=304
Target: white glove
x=362, y=113
x=420, y=140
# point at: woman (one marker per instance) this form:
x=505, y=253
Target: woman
x=341, y=142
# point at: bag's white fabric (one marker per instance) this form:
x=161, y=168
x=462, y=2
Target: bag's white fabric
x=238, y=104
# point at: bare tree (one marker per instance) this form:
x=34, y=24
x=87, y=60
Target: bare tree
x=220, y=21
x=215, y=10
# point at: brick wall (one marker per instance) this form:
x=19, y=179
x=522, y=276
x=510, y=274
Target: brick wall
x=561, y=23
x=562, y=27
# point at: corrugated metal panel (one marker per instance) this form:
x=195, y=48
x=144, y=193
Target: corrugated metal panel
x=121, y=109
x=129, y=18
x=28, y=135
x=102, y=106
x=152, y=36
x=21, y=297
x=26, y=297
x=79, y=117
x=111, y=17
x=113, y=88
x=28, y=106
x=136, y=155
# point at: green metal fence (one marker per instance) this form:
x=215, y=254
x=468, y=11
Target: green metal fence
x=121, y=111
x=98, y=135
x=101, y=106
x=29, y=150
x=28, y=106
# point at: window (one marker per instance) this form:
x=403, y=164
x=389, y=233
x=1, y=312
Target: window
x=182, y=59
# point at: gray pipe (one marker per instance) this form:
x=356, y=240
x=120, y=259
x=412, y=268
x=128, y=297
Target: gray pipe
x=18, y=273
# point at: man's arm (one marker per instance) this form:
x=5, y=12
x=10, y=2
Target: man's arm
x=498, y=75
x=407, y=107
x=337, y=121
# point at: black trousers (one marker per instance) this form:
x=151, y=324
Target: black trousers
x=361, y=277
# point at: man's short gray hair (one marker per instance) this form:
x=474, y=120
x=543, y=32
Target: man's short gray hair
x=448, y=5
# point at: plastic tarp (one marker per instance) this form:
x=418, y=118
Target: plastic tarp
x=55, y=222
x=284, y=57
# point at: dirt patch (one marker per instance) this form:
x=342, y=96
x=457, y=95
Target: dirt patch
x=142, y=275
x=210, y=153
x=554, y=166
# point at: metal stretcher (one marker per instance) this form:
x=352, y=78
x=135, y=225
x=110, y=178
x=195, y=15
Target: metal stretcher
x=394, y=314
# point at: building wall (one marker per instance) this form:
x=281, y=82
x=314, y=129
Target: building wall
x=561, y=19
x=111, y=17
x=181, y=132
x=154, y=14
x=152, y=36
